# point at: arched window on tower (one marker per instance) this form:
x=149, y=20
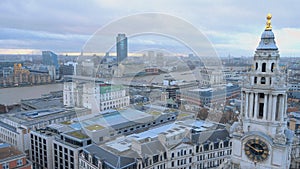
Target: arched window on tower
x=263, y=80
x=255, y=80
x=256, y=66
x=261, y=106
x=272, y=67
x=263, y=68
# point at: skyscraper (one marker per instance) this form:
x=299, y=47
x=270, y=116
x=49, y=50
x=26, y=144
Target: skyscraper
x=50, y=58
x=121, y=47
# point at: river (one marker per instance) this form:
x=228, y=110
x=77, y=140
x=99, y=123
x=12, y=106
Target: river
x=9, y=96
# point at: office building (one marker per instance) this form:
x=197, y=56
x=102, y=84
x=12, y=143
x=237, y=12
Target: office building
x=57, y=146
x=15, y=127
x=50, y=58
x=186, y=144
x=108, y=124
x=121, y=48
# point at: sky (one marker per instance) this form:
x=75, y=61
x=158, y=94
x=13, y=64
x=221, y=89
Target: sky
x=64, y=26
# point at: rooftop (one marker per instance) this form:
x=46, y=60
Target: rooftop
x=8, y=152
x=77, y=134
x=155, y=113
x=41, y=112
x=113, y=118
x=123, y=145
x=109, y=88
x=94, y=127
x=42, y=103
x=30, y=118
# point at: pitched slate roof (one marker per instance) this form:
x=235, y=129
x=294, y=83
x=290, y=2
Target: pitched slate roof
x=152, y=148
x=109, y=158
x=210, y=135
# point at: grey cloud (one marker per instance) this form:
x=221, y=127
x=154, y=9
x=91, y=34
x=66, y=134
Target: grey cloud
x=69, y=21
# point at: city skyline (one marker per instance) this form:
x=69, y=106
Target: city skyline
x=230, y=26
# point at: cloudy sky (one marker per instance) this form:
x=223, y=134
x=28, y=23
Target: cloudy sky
x=63, y=26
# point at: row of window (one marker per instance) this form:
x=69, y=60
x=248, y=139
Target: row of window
x=264, y=67
x=127, y=130
x=6, y=165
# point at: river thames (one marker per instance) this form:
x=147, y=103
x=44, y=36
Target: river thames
x=9, y=96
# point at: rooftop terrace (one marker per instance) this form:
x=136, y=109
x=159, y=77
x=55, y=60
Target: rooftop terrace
x=77, y=134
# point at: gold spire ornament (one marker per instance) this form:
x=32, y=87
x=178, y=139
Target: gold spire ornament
x=268, y=24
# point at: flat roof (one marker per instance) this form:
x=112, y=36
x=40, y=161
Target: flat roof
x=42, y=103
x=122, y=144
x=152, y=133
x=173, y=128
x=41, y=112
x=77, y=134
x=110, y=88
x=94, y=127
x=201, y=90
x=112, y=118
x=30, y=118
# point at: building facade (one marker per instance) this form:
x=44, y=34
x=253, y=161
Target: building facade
x=184, y=144
x=57, y=147
x=94, y=95
x=15, y=129
x=122, y=50
x=50, y=58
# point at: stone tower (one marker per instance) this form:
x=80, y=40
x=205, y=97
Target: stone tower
x=261, y=138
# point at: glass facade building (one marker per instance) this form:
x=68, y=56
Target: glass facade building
x=121, y=48
x=50, y=58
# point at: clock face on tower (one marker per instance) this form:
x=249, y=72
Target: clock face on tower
x=256, y=150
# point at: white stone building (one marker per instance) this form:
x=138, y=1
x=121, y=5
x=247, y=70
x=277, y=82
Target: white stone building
x=97, y=96
x=189, y=144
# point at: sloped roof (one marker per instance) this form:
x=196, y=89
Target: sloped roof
x=109, y=158
x=211, y=135
x=152, y=148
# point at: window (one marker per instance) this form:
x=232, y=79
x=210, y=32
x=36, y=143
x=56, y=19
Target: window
x=5, y=166
x=256, y=66
x=263, y=80
x=272, y=67
x=255, y=80
x=263, y=67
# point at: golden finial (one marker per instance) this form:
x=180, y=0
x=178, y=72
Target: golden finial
x=268, y=24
